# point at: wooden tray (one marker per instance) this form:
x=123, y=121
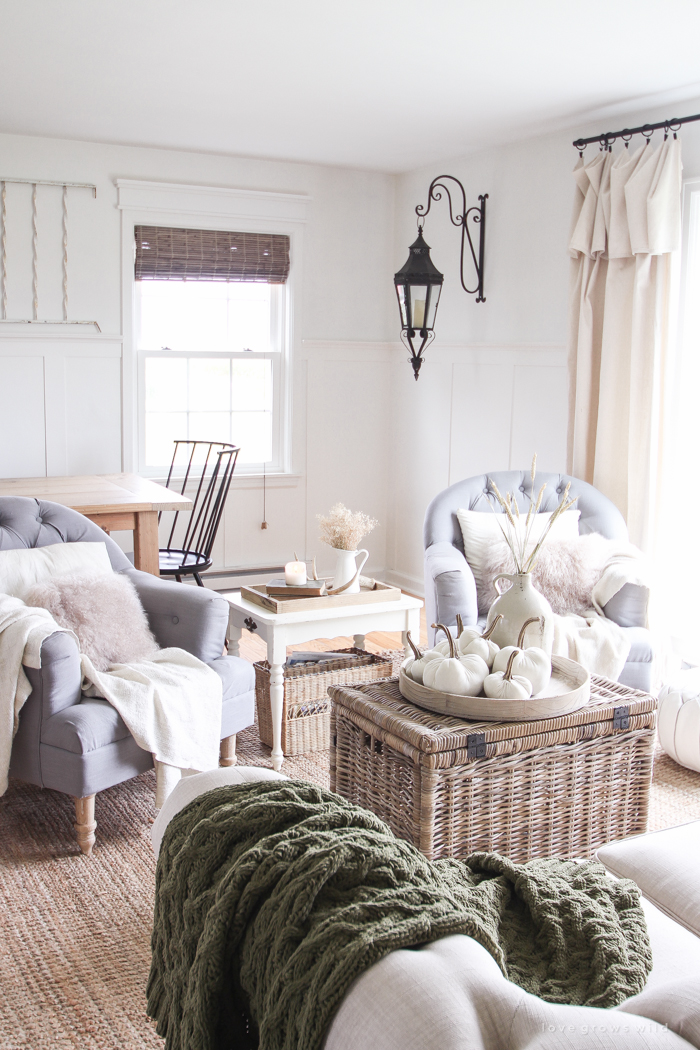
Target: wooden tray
x=568, y=690
x=379, y=592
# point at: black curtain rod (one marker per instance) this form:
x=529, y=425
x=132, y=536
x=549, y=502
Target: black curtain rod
x=608, y=137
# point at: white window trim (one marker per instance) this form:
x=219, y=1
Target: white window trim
x=216, y=208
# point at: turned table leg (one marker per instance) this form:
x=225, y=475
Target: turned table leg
x=85, y=823
x=227, y=751
x=233, y=637
x=277, y=705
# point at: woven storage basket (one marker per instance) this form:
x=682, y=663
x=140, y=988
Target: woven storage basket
x=307, y=708
x=554, y=787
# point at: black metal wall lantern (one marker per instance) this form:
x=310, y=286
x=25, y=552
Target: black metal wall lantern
x=419, y=282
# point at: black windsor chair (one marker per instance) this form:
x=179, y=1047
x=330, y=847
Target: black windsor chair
x=218, y=461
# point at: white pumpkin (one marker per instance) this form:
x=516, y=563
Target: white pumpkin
x=477, y=669
x=679, y=724
x=532, y=663
x=416, y=664
x=451, y=675
x=504, y=685
x=481, y=645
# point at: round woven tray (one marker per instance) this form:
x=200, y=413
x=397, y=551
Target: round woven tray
x=569, y=689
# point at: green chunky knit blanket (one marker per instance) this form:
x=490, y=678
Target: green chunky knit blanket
x=273, y=897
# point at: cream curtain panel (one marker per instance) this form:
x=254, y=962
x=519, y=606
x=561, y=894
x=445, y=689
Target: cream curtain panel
x=627, y=224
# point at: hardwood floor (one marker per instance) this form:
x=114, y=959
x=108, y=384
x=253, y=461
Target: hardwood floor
x=253, y=648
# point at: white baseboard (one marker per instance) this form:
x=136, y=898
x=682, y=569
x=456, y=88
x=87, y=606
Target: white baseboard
x=411, y=584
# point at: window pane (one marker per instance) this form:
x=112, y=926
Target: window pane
x=205, y=316
x=166, y=384
x=210, y=426
x=252, y=432
x=249, y=318
x=182, y=316
x=162, y=429
x=251, y=385
x=209, y=384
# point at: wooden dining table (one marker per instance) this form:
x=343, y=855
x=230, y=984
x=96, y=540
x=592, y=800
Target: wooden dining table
x=115, y=502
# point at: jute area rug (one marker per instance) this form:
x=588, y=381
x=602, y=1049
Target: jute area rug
x=75, y=943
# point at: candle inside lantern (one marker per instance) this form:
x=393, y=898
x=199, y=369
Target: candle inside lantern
x=295, y=573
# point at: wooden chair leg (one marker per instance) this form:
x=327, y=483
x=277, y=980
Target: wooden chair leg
x=85, y=823
x=227, y=751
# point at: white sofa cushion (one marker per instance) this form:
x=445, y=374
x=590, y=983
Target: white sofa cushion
x=451, y=995
x=665, y=866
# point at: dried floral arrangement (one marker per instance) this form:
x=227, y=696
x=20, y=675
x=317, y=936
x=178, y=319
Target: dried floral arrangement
x=517, y=530
x=344, y=530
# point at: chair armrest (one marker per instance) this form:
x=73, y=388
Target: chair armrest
x=628, y=607
x=56, y=684
x=184, y=617
x=449, y=586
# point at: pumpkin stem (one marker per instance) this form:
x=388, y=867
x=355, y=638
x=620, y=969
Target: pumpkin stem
x=460, y=624
x=521, y=636
x=492, y=627
x=410, y=641
x=450, y=639
x=509, y=669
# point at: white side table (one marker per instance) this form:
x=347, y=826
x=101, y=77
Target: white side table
x=279, y=630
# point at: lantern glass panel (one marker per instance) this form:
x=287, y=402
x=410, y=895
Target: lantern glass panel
x=401, y=292
x=419, y=295
x=433, y=300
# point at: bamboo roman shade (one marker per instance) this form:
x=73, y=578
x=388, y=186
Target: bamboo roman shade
x=169, y=254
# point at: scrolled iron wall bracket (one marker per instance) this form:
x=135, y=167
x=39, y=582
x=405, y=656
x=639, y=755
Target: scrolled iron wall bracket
x=419, y=283
x=477, y=213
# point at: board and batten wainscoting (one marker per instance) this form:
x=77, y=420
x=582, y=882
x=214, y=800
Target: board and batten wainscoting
x=476, y=409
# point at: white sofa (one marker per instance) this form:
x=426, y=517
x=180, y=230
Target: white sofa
x=451, y=995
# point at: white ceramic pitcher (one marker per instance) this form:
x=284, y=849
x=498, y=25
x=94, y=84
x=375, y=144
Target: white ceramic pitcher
x=346, y=568
x=519, y=603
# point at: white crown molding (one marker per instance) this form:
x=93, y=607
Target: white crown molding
x=140, y=195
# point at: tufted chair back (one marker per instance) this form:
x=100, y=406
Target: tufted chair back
x=26, y=522
x=598, y=513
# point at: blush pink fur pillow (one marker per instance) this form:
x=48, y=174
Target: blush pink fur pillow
x=566, y=572
x=104, y=612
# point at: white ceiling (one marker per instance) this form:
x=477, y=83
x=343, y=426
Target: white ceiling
x=380, y=84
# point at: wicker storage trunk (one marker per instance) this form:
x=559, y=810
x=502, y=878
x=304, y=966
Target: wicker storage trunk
x=554, y=787
x=307, y=708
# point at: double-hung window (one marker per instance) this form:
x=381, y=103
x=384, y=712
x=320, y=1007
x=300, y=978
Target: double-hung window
x=211, y=314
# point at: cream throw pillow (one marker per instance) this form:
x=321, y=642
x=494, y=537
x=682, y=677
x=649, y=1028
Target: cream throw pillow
x=566, y=571
x=480, y=530
x=104, y=612
x=24, y=568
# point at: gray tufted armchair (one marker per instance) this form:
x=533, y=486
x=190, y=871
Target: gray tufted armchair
x=449, y=584
x=82, y=746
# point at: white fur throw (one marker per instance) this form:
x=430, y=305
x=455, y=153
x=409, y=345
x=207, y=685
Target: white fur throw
x=565, y=573
x=103, y=611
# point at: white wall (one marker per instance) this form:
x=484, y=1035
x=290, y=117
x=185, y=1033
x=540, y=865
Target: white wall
x=493, y=388
x=491, y=392
x=62, y=388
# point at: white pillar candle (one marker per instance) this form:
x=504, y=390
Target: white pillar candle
x=295, y=573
